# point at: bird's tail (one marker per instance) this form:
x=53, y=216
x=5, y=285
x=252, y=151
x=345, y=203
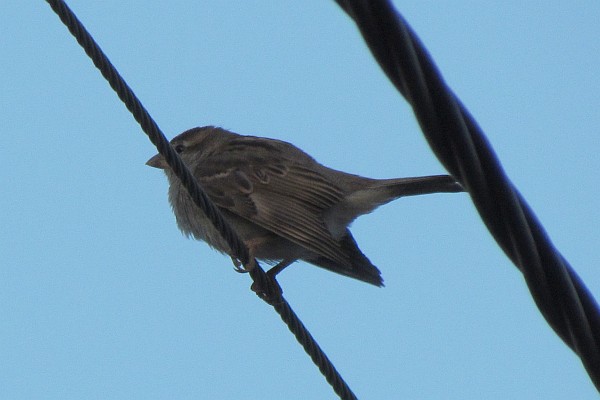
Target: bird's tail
x=372, y=194
x=381, y=191
x=400, y=187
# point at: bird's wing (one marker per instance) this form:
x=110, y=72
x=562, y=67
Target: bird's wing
x=283, y=195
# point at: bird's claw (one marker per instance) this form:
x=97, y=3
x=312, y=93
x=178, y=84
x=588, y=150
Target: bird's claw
x=237, y=266
x=241, y=268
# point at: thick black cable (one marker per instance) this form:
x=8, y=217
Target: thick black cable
x=459, y=143
x=269, y=290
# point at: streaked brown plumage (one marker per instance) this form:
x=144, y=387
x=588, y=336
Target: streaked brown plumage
x=284, y=205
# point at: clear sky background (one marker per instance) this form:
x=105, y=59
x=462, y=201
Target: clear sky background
x=101, y=297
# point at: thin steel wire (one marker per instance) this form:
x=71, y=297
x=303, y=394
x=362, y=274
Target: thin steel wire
x=270, y=291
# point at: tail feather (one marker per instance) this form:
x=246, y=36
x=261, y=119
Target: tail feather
x=359, y=266
x=418, y=185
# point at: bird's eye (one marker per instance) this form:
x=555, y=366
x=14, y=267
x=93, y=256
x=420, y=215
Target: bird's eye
x=179, y=148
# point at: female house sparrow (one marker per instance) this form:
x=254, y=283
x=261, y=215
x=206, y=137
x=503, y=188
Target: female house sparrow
x=284, y=205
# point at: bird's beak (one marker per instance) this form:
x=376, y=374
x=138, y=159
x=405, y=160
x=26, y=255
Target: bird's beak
x=157, y=161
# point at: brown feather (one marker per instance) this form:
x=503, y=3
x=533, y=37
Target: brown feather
x=290, y=204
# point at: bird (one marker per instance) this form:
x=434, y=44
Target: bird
x=284, y=205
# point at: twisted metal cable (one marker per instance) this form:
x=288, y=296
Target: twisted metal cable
x=459, y=143
x=149, y=127
x=269, y=291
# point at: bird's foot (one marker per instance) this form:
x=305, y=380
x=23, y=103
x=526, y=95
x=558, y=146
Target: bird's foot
x=269, y=291
x=273, y=291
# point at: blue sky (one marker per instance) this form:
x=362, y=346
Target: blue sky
x=102, y=297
